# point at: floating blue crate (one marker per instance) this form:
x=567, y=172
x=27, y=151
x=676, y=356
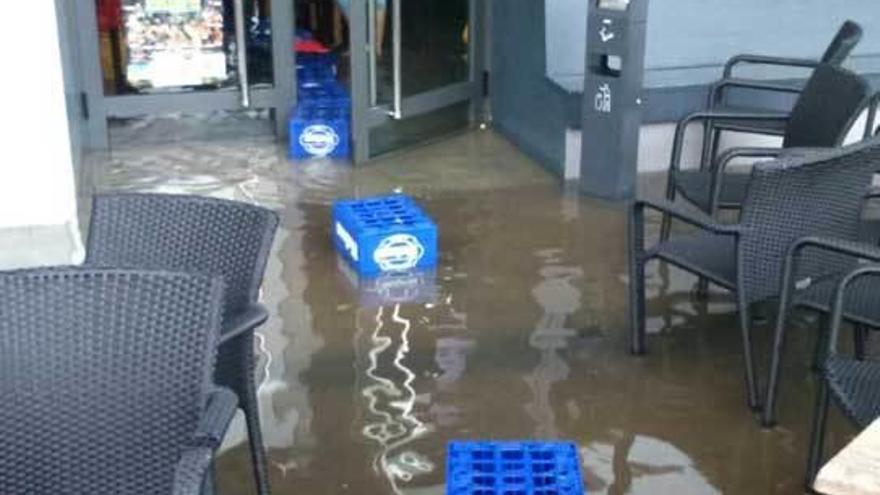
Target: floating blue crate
x=320, y=133
x=384, y=234
x=513, y=468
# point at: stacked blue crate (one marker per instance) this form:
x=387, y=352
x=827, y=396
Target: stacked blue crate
x=384, y=234
x=320, y=124
x=527, y=468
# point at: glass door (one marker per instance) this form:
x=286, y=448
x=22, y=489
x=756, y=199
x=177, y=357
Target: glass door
x=418, y=75
x=165, y=56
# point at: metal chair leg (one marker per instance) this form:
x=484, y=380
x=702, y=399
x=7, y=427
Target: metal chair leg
x=255, y=440
x=209, y=485
x=860, y=337
x=768, y=419
x=745, y=328
x=702, y=290
x=636, y=281
x=821, y=347
x=817, y=439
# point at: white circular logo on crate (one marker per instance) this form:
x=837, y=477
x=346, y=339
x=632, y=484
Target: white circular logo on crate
x=319, y=140
x=398, y=252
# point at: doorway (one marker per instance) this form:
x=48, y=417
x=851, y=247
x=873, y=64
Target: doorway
x=156, y=57
x=420, y=72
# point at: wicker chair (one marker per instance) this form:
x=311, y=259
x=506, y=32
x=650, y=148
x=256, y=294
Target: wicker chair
x=106, y=382
x=786, y=199
x=799, y=289
x=825, y=111
x=199, y=235
x=853, y=382
x=845, y=40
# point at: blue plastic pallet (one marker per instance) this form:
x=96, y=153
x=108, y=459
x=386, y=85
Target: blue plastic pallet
x=320, y=133
x=513, y=468
x=384, y=234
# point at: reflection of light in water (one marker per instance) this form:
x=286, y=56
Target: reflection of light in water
x=558, y=298
x=642, y=465
x=393, y=406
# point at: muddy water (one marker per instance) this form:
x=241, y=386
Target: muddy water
x=519, y=333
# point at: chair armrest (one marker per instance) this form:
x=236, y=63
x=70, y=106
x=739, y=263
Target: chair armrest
x=253, y=316
x=767, y=60
x=755, y=84
x=857, y=250
x=681, y=127
x=697, y=219
x=221, y=407
x=191, y=471
x=837, y=306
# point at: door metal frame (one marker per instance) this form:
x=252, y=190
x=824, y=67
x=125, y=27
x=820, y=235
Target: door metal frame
x=366, y=116
x=279, y=98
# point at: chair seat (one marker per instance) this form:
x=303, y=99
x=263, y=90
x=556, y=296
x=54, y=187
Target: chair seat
x=694, y=186
x=860, y=304
x=711, y=255
x=855, y=385
x=772, y=127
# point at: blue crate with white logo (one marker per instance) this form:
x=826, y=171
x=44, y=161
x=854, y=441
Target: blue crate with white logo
x=384, y=234
x=317, y=132
x=315, y=77
x=526, y=468
x=327, y=94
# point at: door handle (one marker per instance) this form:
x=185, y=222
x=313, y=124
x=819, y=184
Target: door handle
x=396, y=39
x=241, y=52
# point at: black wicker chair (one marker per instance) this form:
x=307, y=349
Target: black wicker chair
x=845, y=40
x=199, y=235
x=853, y=383
x=786, y=199
x=106, y=382
x=826, y=109
x=799, y=289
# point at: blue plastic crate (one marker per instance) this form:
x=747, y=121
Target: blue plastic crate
x=315, y=77
x=384, y=234
x=513, y=468
x=316, y=59
x=320, y=133
x=328, y=94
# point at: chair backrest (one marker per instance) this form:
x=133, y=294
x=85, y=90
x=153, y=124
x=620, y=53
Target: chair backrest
x=827, y=107
x=821, y=195
x=848, y=36
x=104, y=376
x=182, y=233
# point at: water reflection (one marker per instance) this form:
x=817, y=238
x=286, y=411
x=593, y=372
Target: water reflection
x=559, y=299
x=390, y=420
x=642, y=465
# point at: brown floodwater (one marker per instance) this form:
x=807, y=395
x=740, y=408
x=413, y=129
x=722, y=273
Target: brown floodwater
x=519, y=333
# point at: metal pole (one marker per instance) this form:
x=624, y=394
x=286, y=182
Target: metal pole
x=241, y=50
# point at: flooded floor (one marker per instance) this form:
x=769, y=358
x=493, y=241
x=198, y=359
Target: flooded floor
x=521, y=332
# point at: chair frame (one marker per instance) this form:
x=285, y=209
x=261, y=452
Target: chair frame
x=820, y=414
